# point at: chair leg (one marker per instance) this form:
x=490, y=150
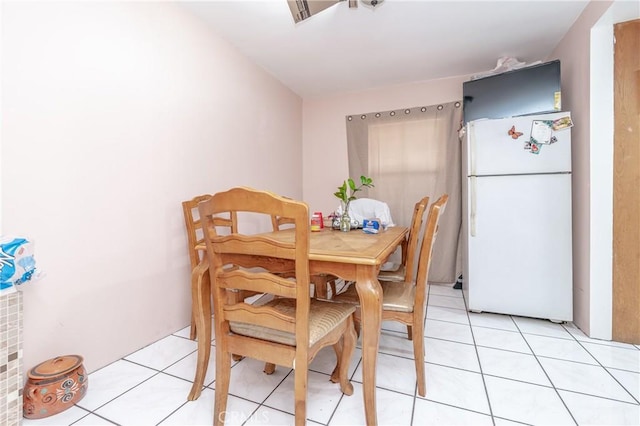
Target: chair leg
x=319, y=286
x=335, y=374
x=357, y=321
x=418, y=354
x=223, y=375
x=192, y=331
x=269, y=368
x=348, y=345
x=300, y=390
x=338, y=348
x=200, y=288
x=409, y=332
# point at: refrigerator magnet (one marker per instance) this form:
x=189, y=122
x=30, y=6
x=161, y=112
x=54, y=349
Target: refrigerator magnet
x=527, y=145
x=553, y=140
x=535, y=148
x=541, y=131
x=513, y=133
x=562, y=123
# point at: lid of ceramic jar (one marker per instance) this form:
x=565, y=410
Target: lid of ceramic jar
x=55, y=367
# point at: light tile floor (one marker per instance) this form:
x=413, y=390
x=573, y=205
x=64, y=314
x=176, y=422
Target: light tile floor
x=481, y=369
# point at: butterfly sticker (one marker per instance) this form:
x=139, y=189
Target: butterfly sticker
x=513, y=133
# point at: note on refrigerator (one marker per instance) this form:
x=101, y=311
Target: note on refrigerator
x=541, y=132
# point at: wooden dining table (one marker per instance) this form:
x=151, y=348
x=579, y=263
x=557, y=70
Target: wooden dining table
x=354, y=256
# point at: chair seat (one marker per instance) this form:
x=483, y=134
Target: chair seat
x=397, y=274
x=396, y=296
x=323, y=317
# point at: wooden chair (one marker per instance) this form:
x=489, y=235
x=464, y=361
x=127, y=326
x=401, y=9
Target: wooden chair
x=405, y=302
x=194, y=237
x=289, y=329
x=404, y=271
x=321, y=282
x=196, y=245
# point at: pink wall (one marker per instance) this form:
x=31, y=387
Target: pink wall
x=574, y=54
x=113, y=113
x=325, y=164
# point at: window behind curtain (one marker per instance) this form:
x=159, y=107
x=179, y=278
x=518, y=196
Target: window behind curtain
x=409, y=154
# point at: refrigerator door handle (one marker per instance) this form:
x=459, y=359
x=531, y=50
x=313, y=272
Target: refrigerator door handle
x=472, y=207
x=472, y=149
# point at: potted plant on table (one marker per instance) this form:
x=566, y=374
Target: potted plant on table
x=346, y=193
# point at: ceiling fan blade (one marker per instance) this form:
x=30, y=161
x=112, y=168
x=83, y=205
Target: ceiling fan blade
x=302, y=9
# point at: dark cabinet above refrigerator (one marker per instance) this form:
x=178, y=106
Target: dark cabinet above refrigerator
x=525, y=91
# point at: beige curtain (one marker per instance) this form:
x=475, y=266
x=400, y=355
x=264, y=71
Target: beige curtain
x=411, y=153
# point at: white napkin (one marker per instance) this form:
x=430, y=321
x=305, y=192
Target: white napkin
x=368, y=208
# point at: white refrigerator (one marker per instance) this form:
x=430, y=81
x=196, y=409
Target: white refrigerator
x=517, y=254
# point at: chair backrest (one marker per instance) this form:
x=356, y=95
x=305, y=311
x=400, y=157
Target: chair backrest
x=409, y=256
x=278, y=222
x=426, y=248
x=195, y=235
x=256, y=272
x=194, y=227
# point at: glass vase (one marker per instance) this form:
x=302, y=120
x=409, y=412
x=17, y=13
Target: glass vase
x=345, y=219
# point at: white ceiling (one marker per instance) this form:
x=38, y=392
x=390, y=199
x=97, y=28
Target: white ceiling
x=399, y=41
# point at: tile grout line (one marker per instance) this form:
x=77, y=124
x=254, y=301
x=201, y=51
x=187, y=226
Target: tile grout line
x=545, y=373
x=157, y=372
x=86, y=415
x=605, y=343
x=462, y=369
x=333, y=413
x=475, y=347
x=606, y=369
x=540, y=356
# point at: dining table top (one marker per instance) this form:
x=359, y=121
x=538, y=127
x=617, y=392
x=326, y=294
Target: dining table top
x=354, y=247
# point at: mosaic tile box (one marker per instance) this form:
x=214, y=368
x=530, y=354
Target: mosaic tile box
x=11, y=382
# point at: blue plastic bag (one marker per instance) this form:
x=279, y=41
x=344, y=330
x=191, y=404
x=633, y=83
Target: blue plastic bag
x=17, y=264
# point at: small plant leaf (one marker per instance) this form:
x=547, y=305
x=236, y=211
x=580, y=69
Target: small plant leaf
x=350, y=185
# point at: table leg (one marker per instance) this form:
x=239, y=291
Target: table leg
x=319, y=285
x=201, y=307
x=370, y=294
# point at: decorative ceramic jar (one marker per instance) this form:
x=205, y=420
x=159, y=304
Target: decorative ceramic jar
x=53, y=386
